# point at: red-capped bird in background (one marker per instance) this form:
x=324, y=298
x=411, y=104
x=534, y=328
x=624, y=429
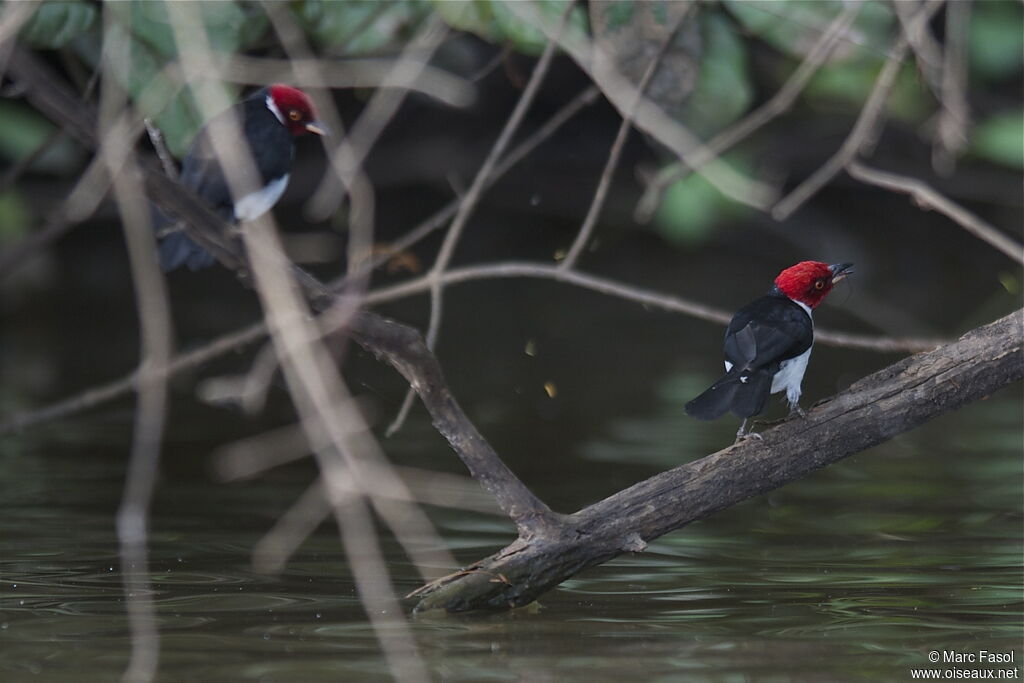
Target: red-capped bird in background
x=270, y=119
x=768, y=344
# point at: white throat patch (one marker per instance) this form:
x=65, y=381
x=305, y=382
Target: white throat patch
x=274, y=110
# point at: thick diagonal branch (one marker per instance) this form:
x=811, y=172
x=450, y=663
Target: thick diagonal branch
x=875, y=409
x=406, y=350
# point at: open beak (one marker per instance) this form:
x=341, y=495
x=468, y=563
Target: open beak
x=840, y=270
x=317, y=128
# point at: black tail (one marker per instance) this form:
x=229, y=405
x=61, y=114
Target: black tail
x=744, y=395
x=176, y=249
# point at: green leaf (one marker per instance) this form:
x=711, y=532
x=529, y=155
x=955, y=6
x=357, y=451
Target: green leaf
x=55, y=24
x=15, y=217
x=360, y=27
x=996, y=39
x=146, y=36
x=22, y=130
x=1001, y=139
x=628, y=35
x=493, y=21
x=794, y=26
x=619, y=14
x=849, y=83
x=723, y=91
x=691, y=207
x=229, y=27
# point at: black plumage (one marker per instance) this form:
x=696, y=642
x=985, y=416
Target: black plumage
x=760, y=338
x=272, y=149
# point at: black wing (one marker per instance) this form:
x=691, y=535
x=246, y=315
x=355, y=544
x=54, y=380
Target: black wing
x=766, y=332
x=272, y=150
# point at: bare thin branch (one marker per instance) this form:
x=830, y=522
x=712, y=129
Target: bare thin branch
x=646, y=297
x=928, y=198
x=349, y=154
x=779, y=103
x=339, y=434
x=604, y=184
x=156, y=334
x=472, y=197
x=272, y=552
x=234, y=341
x=416, y=75
x=127, y=385
x=951, y=128
x=13, y=16
x=160, y=146
x=865, y=129
x=927, y=51
x=250, y=457
x=585, y=98
x=649, y=117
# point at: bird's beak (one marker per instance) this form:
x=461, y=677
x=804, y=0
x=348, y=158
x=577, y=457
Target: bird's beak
x=840, y=270
x=317, y=128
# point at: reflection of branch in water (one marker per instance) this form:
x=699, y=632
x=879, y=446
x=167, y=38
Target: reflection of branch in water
x=155, y=334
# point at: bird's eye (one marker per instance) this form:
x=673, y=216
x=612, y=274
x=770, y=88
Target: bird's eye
x=819, y=284
x=295, y=115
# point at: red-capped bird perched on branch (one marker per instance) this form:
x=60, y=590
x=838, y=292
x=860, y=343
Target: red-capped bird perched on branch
x=270, y=118
x=768, y=344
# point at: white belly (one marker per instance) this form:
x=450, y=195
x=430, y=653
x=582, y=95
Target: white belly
x=790, y=376
x=255, y=204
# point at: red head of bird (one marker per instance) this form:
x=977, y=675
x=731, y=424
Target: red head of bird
x=808, y=282
x=294, y=109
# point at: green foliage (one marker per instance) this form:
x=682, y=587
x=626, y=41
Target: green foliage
x=55, y=24
x=1001, y=139
x=619, y=13
x=494, y=21
x=996, y=39
x=723, y=91
x=691, y=207
x=360, y=27
x=849, y=84
x=143, y=52
x=15, y=217
x=794, y=26
x=145, y=35
x=22, y=130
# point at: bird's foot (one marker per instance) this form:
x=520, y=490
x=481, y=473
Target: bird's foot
x=796, y=411
x=747, y=436
x=743, y=435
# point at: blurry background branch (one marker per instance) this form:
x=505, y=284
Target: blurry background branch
x=928, y=199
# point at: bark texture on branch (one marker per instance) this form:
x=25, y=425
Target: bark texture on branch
x=875, y=409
